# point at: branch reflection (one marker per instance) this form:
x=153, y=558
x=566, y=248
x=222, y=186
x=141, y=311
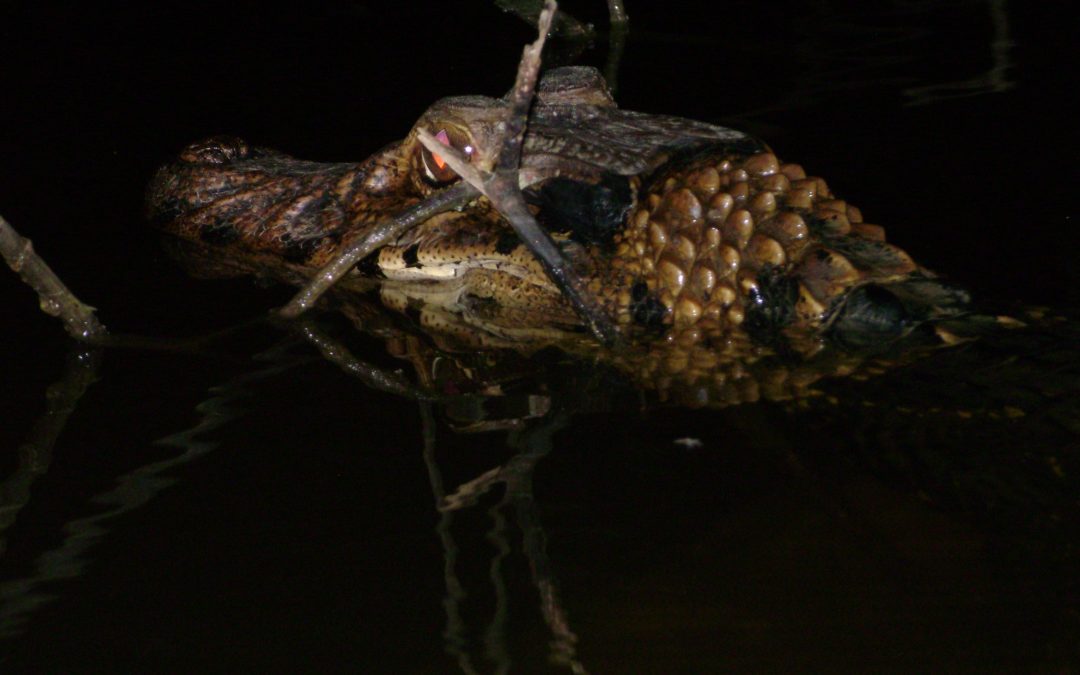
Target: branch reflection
x=532, y=442
x=19, y=598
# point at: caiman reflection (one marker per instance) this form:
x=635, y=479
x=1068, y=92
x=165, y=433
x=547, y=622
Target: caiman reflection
x=734, y=275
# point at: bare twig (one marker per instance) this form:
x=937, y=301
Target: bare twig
x=381, y=235
x=504, y=192
x=79, y=319
x=55, y=298
x=500, y=187
x=521, y=96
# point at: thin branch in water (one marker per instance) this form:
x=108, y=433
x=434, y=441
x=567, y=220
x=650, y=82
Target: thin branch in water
x=80, y=320
x=469, y=492
x=504, y=192
x=379, y=236
x=55, y=299
x=454, y=634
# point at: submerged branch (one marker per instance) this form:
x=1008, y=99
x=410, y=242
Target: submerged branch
x=55, y=298
x=372, y=376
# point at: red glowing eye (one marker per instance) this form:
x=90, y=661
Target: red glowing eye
x=436, y=169
x=443, y=138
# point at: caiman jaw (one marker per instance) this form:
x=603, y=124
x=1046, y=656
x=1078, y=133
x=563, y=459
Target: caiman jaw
x=469, y=262
x=452, y=244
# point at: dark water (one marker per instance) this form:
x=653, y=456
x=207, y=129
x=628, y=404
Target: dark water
x=249, y=508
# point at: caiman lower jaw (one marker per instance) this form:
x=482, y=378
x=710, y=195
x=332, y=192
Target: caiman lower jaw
x=485, y=308
x=456, y=268
x=473, y=249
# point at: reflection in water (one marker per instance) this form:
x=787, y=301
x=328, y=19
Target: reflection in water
x=35, y=455
x=555, y=394
x=886, y=48
x=532, y=400
x=533, y=442
x=993, y=81
x=454, y=635
x=21, y=597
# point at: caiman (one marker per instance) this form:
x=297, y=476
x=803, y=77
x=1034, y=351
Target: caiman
x=734, y=275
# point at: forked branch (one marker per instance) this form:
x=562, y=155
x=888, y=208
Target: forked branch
x=503, y=190
x=55, y=298
x=500, y=187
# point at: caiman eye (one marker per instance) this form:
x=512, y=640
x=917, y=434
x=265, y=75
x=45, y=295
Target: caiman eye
x=436, y=170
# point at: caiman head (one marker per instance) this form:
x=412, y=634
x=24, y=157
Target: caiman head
x=685, y=232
